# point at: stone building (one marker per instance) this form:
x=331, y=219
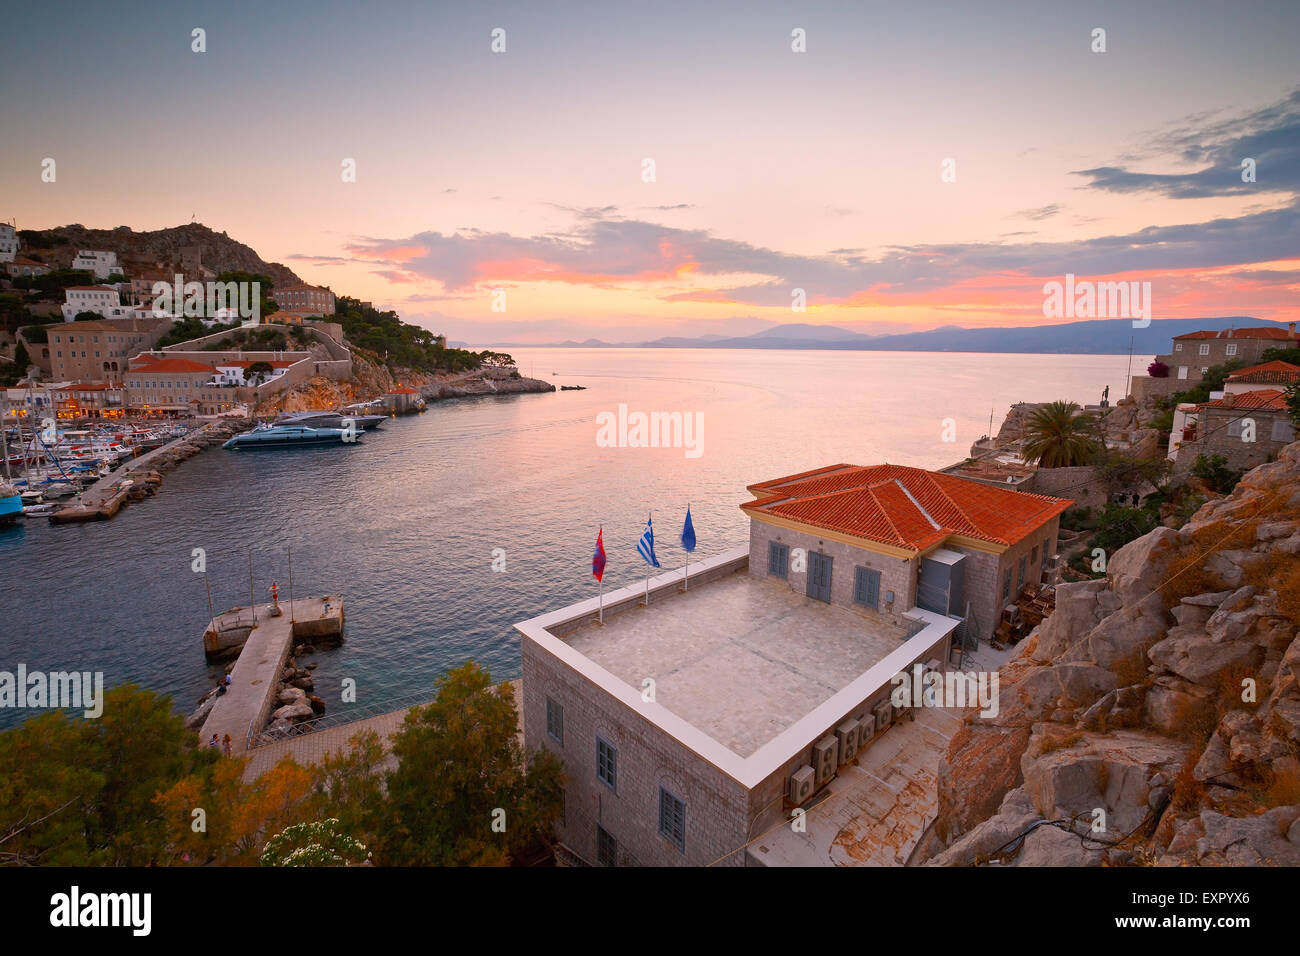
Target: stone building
x=693, y=717
x=1193, y=354
x=1247, y=429
x=97, y=352
x=308, y=299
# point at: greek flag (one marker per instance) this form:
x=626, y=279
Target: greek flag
x=646, y=546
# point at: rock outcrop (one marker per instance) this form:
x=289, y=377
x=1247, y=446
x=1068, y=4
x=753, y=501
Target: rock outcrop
x=1155, y=716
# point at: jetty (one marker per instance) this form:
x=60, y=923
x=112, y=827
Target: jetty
x=139, y=477
x=266, y=641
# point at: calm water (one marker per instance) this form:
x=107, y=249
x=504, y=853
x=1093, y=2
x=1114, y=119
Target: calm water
x=405, y=523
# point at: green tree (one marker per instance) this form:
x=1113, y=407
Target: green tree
x=258, y=371
x=1214, y=471
x=1293, y=403
x=461, y=770
x=1058, y=436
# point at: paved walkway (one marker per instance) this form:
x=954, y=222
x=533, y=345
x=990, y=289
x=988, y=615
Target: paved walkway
x=312, y=748
x=878, y=808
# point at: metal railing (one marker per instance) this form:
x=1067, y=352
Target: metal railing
x=350, y=714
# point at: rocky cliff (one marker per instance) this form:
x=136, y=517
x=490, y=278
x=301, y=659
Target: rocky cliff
x=160, y=248
x=1154, y=718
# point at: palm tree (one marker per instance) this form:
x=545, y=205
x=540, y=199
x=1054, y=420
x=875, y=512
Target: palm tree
x=1057, y=436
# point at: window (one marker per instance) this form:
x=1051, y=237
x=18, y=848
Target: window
x=1283, y=430
x=1047, y=549
x=555, y=721
x=606, y=847
x=778, y=559
x=1231, y=349
x=1182, y=371
x=866, y=587
x=1033, y=555
x=1020, y=572
x=1235, y=427
x=606, y=764
x=1006, y=584
x=672, y=819
x=1178, y=346
x=1204, y=349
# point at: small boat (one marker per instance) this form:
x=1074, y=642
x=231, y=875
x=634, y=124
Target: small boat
x=330, y=420
x=39, y=511
x=32, y=497
x=11, y=503
x=278, y=436
x=60, y=489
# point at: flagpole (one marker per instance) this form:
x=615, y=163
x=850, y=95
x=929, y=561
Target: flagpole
x=600, y=618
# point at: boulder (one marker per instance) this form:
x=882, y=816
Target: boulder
x=981, y=765
x=1124, y=636
x=1249, y=841
x=1051, y=845
x=1014, y=816
x=1113, y=772
x=1080, y=605
x=197, y=718
x=1142, y=565
x=292, y=695
x=293, y=712
x=1202, y=661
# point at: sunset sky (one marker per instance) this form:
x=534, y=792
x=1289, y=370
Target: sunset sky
x=774, y=170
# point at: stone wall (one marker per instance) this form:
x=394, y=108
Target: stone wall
x=1080, y=484
x=896, y=574
x=716, y=804
x=1144, y=388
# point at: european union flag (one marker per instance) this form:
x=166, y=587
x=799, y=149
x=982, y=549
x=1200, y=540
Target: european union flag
x=688, y=532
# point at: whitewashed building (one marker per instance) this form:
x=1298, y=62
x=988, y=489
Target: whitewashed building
x=103, y=300
x=8, y=242
x=103, y=264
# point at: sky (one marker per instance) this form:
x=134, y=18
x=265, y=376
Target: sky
x=627, y=170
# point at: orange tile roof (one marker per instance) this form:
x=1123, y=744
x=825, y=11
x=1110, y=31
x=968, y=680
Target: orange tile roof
x=1266, y=399
x=247, y=362
x=1260, y=333
x=401, y=390
x=1275, y=371
x=91, y=288
x=908, y=508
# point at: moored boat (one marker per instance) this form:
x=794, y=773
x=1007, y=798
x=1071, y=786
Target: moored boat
x=277, y=436
x=321, y=419
x=11, y=503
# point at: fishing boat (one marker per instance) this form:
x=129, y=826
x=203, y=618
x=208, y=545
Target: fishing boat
x=11, y=503
x=278, y=436
x=320, y=419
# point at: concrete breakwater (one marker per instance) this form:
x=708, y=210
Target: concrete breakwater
x=266, y=684
x=141, y=477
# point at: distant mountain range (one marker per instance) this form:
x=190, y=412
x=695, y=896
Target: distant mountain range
x=1094, y=337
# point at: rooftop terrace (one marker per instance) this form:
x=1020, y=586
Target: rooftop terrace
x=740, y=658
x=746, y=671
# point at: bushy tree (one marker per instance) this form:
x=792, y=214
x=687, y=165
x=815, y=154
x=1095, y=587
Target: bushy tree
x=461, y=770
x=1214, y=471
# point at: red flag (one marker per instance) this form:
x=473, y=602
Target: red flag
x=598, y=558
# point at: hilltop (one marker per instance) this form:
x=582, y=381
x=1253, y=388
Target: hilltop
x=160, y=248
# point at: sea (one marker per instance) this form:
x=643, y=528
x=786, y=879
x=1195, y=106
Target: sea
x=443, y=529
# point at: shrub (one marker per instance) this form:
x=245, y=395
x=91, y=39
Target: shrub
x=1158, y=369
x=1214, y=471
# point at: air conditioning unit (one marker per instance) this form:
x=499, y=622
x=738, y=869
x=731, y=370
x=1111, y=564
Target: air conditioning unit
x=825, y=759
x=866, y=729
x=801, y=784
x=847, y=733
x=884, y=712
